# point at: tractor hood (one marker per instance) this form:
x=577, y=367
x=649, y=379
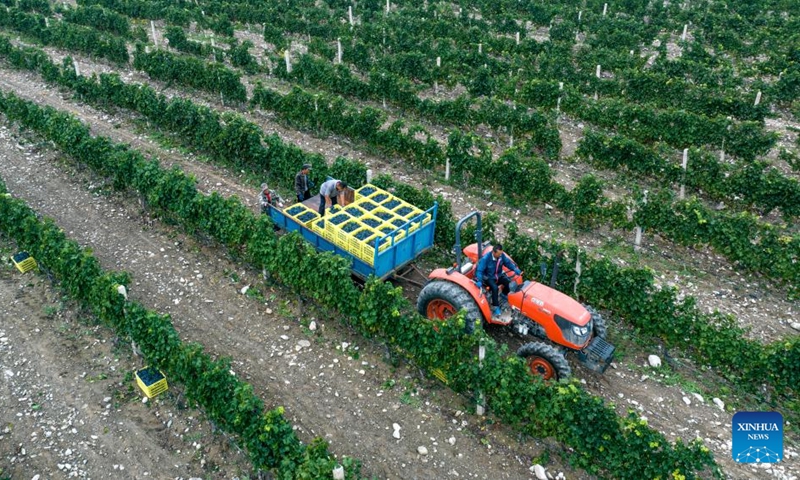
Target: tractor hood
x=540, y=299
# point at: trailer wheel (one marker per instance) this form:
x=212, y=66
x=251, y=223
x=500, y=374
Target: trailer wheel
x=545, y=361
x=440, y=300
x=600, y=329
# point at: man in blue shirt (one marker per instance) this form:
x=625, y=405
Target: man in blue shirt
x=490, y=271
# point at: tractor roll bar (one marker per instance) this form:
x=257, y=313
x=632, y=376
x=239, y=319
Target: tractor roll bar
x=478, y=234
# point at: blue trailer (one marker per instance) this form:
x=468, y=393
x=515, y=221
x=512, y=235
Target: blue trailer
x=406, y=243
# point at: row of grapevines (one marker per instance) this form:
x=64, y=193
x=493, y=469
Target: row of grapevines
x=757, y=184
x=534, y=407
x=65, y=35
x=775, y=254
x=209, y=384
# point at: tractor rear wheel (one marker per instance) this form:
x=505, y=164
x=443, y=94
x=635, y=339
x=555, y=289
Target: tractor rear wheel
x=545, y=360
x=600, y=329
x=440, y=300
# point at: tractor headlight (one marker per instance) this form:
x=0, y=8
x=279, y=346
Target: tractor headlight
x=575, y=334
x=579, y=331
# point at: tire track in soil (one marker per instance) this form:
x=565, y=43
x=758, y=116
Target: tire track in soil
x=664, y=406
x=325, y=393
x=67, y=409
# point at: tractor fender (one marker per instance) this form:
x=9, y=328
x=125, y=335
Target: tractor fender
x=464, y=282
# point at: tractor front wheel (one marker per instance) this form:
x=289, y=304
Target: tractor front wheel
x=544, y=360
x=440, y=300
x=599, y=323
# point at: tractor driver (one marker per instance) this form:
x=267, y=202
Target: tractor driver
x=490, y=271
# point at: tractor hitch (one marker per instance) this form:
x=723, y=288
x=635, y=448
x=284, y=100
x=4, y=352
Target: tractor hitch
x=597, y=356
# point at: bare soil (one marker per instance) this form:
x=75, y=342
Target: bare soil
x=327, y=392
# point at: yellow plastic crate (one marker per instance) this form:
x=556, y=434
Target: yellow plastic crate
x=24, y=262
x=391, y=203
x=354, y=210
x=406, y=210
x=370, y=221
x=358, y=238
x=320, y=228
x=368, y=251
x=380, y=196
x=333, y=223
x=343, y=232
x=384, y=215
x=302, y=214
x=387, y=229
x=366, y=205
x=367, y=190
x=152, y=382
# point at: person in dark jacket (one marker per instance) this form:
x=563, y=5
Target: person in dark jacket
x=490, y=272
x=302, y=184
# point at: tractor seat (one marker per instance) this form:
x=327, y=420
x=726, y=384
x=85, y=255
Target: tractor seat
x=466, y=267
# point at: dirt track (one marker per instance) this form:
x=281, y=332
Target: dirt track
x=324, y=390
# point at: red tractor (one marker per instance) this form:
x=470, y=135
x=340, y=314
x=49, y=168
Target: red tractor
x=561, y=323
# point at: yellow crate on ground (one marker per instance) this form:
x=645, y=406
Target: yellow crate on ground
x=23, y=261
x=151, y=381
x=302, y=213
x=367, y=190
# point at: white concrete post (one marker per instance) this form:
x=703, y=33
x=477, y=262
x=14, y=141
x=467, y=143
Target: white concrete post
x=637, y=241
x=684, y=164
x=369, y=175
x=447, y=169
x=605, y=9
x=577, y=273
x=387, y=7
x=77, y=70
x=338, y=472
x=338, y=50
x=350, y=15
x=438, y=62
x=480, y=48
x=580, y=13
x=685, y=30
x=288, y=61
x=597, y=72
x=558, y=105
x=517, y=38
x=481, y=355
x=758, y=98
x=153, y=29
